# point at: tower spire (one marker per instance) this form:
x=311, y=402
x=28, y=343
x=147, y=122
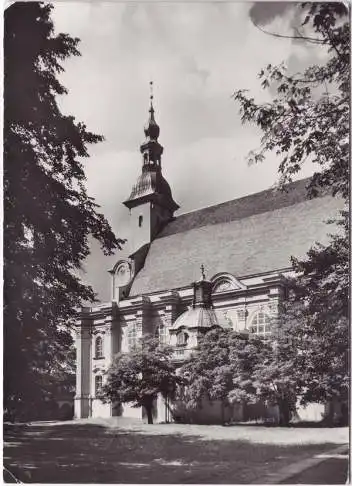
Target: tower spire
x=152, y=129
x=151, y=185
x=151, y=110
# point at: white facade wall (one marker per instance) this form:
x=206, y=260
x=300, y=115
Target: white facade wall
x=235, y=306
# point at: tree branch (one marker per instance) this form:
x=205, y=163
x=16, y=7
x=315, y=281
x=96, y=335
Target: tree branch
x=332, y=42
x=281, y=36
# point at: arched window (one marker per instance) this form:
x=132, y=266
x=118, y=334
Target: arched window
x=99, y=347
x=140, y=221
x=182, y=338
x=161, y=333
x=260, y=324
x=98, y=385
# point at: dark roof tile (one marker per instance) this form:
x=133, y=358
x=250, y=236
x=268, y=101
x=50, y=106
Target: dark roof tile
x=243, y=207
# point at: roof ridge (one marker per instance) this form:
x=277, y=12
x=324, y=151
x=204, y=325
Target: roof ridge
x=269, y=189
x=243, y=207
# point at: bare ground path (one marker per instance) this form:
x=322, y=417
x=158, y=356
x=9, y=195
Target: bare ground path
x=121, y=451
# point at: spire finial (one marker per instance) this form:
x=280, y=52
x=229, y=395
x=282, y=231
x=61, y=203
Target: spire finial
x=151, y=95
x=202, y=269
x=152, y=129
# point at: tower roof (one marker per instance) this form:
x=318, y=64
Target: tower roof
x=196, y=317
x=151, y=185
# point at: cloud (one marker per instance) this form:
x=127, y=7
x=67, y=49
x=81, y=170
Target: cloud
x=197, y=54
x=264, y=13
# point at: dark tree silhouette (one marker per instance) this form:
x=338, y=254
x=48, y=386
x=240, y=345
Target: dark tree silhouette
x=48, y=215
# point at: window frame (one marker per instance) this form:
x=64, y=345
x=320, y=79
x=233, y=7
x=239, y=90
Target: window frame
x=184, y=342
x=132, y=336
x=99, y=349
x=260, y=324
x=161, y=334
x=98, y=385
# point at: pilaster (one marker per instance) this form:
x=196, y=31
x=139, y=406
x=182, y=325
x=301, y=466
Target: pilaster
x=111, y=343
x=242, y=317
x=143, y=321
x=170, y=303
x=83, y=360
x=275, y=299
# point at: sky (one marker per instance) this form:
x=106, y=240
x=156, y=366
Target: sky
x=197, y=55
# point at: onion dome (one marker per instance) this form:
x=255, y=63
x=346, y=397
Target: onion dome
x=152, y=129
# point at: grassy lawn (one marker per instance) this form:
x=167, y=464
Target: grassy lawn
x=118, y=451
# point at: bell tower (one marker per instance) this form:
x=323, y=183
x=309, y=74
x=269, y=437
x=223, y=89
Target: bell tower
x=150, y=203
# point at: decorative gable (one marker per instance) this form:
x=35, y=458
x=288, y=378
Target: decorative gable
x=223, y=282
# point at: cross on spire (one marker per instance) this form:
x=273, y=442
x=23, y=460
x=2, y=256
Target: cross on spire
x=202, y=269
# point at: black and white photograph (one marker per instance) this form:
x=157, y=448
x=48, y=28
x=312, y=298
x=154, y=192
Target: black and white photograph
x=176, y=242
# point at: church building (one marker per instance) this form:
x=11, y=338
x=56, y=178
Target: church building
x=223, y=265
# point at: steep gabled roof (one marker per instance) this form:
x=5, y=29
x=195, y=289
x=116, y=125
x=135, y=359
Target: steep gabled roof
x=260, y=202
x=247, y=236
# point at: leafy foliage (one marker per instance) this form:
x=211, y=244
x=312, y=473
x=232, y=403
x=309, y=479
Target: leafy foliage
x=139, y=376
x=318, y=310
x=207, y=372
x=276, y=374
x=309, y=117
x=246, y=355
x=48, y=215
x=220, y=369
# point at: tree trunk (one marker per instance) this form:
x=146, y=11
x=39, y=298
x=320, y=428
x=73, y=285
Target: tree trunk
x=149, y=410
x=284, y=411
x=222, y=412
x=329, y=416
x=166, y=403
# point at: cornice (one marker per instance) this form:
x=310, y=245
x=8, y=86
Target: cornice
x=93, y=313
x=134, y=304
x=159, y=300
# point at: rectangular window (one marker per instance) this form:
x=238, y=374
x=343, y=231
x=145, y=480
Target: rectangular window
x=182, y=339
x=99, y=347
x=98, y=385
x=132, y=336
x=161, y=334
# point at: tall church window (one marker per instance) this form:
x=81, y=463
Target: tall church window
x=132, y=336
x=182, y=338
x=161, y=333
x=260, y=325
x=98, y=385
x=99, y=347
x=140, y=221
